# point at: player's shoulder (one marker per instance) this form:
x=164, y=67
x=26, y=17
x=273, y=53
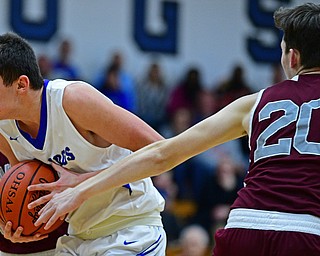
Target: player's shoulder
x=77, y=91
x=81, y=98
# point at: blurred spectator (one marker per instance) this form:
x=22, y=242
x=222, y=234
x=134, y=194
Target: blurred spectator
x=211, y=157
x=206, y=105
x=112, y=89
x=126, y=81
x=231, y=89
x=62, y=67
x=206, y=162
x=189, y=175
x=152, y=96
x=168, y=189
x=45, y=66
x=185, y=94
x=217, y=195
x=194, y=241
x=179, y=121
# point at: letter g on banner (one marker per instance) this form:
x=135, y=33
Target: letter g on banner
x=151, y=42
x=41, y=30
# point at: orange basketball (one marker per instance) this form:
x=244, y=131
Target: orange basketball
x=15, y=197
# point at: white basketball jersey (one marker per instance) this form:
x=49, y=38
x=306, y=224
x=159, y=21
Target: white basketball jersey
x=58, y=141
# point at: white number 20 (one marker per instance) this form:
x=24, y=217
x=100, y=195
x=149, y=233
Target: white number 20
x=292, y=113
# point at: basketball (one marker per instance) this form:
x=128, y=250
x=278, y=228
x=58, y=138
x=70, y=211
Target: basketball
x=15, y=197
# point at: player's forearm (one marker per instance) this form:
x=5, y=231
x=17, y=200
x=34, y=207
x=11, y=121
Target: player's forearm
x=146, y=162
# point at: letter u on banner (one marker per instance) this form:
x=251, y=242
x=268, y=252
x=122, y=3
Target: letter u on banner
x=40, y=30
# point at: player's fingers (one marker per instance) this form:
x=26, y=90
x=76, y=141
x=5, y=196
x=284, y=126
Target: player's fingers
x=45, y=209
x=7, y=230
x=51, y=221
x=37, y=237
x=16, y=235
x=61, y=170
x=57, y=167
x=48, y=215
x=40, y=201
x=27, y=239
x=44, y=214
x=42, y=186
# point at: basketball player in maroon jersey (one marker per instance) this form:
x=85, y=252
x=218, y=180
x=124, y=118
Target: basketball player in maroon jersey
x=277, y=212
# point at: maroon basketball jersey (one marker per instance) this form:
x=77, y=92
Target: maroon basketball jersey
x=284, y=170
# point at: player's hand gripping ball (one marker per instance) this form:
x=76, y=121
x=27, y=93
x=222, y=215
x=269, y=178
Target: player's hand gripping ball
x=15, y=197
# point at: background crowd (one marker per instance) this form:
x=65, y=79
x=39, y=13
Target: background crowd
x=200, y=191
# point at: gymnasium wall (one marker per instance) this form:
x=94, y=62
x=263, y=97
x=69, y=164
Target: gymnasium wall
x=212, y=34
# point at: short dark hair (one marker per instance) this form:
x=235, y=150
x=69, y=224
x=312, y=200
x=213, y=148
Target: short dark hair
x=301, y=27
x=18, y=58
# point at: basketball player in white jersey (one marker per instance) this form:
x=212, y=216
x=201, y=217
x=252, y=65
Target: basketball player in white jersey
x=71, y=124
x=278, y=210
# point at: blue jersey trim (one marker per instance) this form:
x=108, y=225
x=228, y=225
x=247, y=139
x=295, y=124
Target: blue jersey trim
x=128, y=187
x=38, y=142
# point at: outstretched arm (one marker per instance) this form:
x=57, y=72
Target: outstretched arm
x=230, y=123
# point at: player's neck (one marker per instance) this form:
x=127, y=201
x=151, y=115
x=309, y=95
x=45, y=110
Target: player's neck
x=29, y=118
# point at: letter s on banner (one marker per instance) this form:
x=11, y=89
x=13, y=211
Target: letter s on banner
x=263, y=19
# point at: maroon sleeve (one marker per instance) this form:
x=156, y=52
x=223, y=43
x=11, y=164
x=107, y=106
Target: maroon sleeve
x=3, y=160
x=33, y=247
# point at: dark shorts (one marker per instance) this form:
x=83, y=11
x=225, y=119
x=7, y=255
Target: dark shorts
x=250, y=242
x=33, y=247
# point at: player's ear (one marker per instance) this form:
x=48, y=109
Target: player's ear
x=295, y=61
x=22, y=83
